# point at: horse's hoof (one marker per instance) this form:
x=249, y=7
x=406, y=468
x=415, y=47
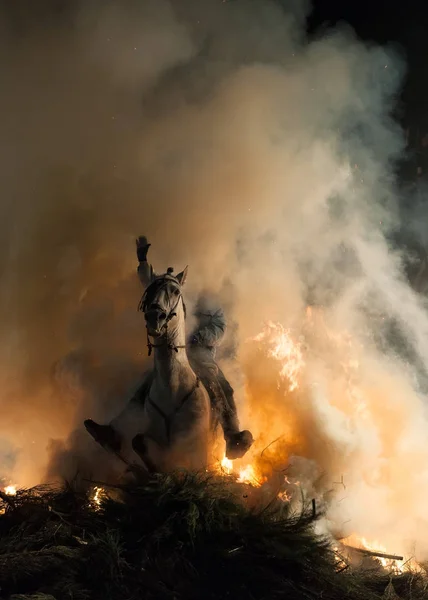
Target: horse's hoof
x=238, y=444
x=104, y=435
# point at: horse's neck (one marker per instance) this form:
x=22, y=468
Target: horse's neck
x=170, y=364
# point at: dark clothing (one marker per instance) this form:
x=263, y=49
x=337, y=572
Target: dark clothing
x=208, y=335
x=201, y=351
x=221, y=396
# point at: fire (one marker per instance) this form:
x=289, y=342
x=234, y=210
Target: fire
x=248, y=475
x=9, y=490
x=226, y=465
x=325, y=367
x=245, y=474
x=278, y=343
x=281, y=346
x=395, y=565
x=98, y=495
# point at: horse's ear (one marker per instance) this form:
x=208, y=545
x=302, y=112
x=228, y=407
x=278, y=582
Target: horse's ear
x=182, y=276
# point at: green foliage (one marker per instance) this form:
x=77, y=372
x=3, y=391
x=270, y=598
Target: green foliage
x=181, y=537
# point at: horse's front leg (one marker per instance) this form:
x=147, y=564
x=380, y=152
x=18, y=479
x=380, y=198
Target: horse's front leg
x=105, y=435
x=112, y=437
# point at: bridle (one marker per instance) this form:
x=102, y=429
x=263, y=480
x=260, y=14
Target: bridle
x=147, y=301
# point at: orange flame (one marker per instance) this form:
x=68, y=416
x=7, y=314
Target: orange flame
x=327, y=349
x=394, y=565
x=226, y=466
x=281, y=346
x=248, y=475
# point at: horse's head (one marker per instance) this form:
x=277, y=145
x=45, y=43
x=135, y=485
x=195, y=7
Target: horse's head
x=161, y=301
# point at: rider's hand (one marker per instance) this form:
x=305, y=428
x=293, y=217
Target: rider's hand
x=142, y=248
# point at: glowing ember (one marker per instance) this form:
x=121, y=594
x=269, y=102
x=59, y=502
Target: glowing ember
x=97, y=498
x=10, y=490
x=284, y=497
x=281, y=347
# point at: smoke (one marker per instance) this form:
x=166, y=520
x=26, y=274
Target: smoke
x=262, y=159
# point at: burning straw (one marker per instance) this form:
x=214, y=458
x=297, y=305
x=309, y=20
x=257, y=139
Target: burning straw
x=176, y=536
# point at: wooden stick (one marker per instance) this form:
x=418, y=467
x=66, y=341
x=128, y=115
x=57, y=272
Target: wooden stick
x=374, y=553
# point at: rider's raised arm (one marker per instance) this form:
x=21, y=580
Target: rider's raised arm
x=144, y=269
x=145, y=273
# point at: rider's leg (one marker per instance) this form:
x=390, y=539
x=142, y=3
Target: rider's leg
x=223, y=405
x=237, y=442
x=229, y=416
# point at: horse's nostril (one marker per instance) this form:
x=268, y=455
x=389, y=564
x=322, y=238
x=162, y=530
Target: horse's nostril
x=159, y=316
x=155, y=315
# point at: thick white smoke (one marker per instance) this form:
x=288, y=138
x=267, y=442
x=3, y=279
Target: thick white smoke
x=262, y=160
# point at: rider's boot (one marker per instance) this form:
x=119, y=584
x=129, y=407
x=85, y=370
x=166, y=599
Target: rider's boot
x=238, y=443
x=105, y=435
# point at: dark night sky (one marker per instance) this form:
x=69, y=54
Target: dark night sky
x=401, y=22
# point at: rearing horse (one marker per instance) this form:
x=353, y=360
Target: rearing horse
x=167, y=422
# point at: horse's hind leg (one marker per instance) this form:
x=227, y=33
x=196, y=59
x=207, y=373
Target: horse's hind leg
x=139, y=445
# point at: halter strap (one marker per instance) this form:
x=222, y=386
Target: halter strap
x=150, y=344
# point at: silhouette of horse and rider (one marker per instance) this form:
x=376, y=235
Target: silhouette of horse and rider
x=186, y=394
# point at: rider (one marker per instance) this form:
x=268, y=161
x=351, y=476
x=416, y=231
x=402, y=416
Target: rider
x=201, y=351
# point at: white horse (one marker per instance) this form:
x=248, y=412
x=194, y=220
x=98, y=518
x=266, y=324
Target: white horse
x=167, y=422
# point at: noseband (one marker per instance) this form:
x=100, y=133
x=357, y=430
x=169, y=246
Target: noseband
x=147, y=300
